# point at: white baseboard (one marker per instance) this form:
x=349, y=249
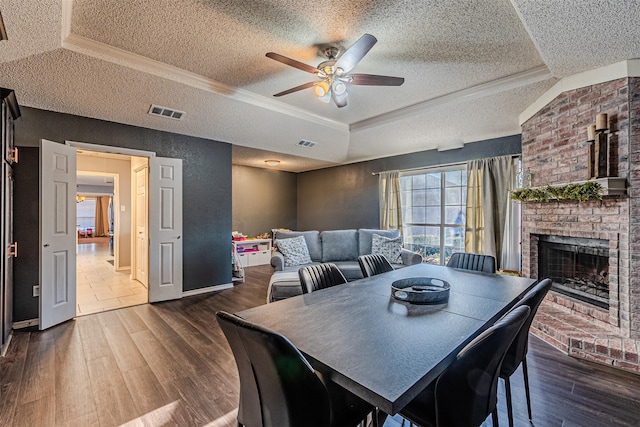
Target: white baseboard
x=26, y=323
x=207, y=290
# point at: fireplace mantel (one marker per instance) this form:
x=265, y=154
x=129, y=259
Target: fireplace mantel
x=611, y=186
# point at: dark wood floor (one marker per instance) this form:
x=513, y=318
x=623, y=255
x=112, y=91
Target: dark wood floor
x=169, y=364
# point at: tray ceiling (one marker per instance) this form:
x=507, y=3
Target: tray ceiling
x=470, y=67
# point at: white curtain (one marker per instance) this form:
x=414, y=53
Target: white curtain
x=488, y=183
x=390, y=206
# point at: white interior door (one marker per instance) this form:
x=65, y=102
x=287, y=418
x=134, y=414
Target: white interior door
x=57, y=233
x=142, y=245
x=165, y=229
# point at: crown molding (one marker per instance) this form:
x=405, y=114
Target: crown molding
x=619, y=70
x=125, y=58
x=118, y=56
x=67, y=15
x=513, y=81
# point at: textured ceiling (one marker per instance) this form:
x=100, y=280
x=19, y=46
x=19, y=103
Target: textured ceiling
x=470, y=67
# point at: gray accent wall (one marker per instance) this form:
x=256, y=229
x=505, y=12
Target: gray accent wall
x=263, y=199
x=26, y=232
x=206, y=188
x=347, y=196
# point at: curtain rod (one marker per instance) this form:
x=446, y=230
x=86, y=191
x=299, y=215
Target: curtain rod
x=443, y=165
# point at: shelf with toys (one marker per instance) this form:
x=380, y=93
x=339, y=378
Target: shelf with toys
x=251, y=251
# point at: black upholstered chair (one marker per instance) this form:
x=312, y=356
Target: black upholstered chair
x=374, y=264
x=320, y=276
x=278, y=386
x=466, y=392
x=475, y=262
x=517, y=353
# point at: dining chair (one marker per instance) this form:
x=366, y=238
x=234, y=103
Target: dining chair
x=278, y=386
x=320, y=276
x=374, y=264
x=517, y=353
x=475, y=262
x=466, y=392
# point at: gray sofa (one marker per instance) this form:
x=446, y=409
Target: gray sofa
x=341, y=247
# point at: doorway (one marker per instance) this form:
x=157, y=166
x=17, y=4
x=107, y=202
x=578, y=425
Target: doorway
x=110, y=214
x=57, y=254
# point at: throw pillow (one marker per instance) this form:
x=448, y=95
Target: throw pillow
x=313, y=241
x=391, y=248
x=295, y=251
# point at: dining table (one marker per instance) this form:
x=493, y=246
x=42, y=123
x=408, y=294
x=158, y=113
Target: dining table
x=382, y=349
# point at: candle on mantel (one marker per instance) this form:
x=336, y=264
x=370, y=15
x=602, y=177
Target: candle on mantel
x=601, y=122
x=591, y=133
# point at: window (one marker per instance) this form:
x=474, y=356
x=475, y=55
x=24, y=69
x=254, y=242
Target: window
x=86, y=213
x=433, y=208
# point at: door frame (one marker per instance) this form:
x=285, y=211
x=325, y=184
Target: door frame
x=134, y=222
x=165, y=291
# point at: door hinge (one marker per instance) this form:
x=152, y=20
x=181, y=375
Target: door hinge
x=12, y=155
x=12, y=250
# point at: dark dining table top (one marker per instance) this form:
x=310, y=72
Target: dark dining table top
x=383, y=350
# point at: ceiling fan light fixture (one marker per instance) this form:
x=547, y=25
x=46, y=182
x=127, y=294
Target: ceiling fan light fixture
x=339, y=88
x=321, y=88
x=335, y=73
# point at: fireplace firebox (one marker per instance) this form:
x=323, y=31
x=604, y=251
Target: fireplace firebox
x=578, y=267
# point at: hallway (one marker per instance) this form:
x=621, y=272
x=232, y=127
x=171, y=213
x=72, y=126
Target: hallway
x=98, y=286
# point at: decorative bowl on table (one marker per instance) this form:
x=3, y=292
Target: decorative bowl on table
x=421, y=290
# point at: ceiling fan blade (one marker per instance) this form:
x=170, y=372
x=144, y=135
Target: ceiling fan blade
x=340, y=101
x=373, y=80
x=295, y=89
x=292, y=63
x=355, y=53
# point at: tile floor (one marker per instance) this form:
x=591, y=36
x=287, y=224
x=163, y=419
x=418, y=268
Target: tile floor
x=99, y=286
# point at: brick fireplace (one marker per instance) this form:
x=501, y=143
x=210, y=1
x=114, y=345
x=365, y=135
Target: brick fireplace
x=554, y=150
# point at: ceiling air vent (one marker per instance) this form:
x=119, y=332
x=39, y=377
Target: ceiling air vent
x=169, y=113
x=306, y=144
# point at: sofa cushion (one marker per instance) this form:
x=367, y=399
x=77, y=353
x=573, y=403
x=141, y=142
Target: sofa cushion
x=365, y=235
x=339, y=245
x=294, y=250
x=313, y=241
x=390, y=248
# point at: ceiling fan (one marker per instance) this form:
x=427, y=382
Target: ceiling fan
x=334, y=72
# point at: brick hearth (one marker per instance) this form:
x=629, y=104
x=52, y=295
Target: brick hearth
x=585, y=339
x=554, y=150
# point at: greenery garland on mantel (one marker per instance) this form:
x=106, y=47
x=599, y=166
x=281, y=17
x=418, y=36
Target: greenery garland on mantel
x=584, y=192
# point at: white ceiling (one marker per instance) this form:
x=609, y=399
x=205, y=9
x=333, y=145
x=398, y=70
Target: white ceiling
x=470, y=67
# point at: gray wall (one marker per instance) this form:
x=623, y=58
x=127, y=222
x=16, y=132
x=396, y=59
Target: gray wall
x=263, y=199
x=26, y=232
x=206, y=187
x=347, y=196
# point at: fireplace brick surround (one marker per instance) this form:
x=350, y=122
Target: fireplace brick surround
x=554, y=150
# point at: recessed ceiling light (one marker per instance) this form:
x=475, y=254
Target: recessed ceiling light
x=272, y=163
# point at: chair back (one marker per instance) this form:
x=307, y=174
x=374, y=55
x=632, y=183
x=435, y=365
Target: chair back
x=466, y=393
x=518, y=350
x=278, y=386
x=475, y=262
x=320, y=276
x=374, y=264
